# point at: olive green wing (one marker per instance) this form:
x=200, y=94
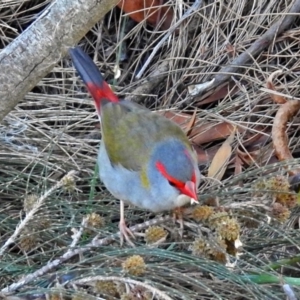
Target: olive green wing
x=130, y=133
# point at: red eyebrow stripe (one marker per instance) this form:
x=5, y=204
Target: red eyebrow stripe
x=161, y=168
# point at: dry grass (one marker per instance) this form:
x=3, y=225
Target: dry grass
x=55, y=130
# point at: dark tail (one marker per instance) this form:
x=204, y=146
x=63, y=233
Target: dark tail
x=92, y=77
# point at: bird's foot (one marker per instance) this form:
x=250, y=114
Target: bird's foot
x=125, y=232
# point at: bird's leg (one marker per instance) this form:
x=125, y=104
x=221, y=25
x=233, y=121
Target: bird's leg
x=124, y=230
x=178, y=215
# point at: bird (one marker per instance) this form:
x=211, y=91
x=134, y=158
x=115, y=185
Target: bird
x=144, y=159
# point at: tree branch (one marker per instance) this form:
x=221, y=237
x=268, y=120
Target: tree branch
x=33, y=54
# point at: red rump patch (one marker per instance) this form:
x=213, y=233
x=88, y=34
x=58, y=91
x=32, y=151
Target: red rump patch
x=99, y=93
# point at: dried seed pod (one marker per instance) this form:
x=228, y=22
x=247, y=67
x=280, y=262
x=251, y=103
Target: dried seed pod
x=134, y=265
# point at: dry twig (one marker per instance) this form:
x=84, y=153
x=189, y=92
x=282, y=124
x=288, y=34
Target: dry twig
x=39, y=202
x=155, y=291
x=197, y=4
x=96, y=242
x=238, y=64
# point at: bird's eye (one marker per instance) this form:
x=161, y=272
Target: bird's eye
x=171, y=183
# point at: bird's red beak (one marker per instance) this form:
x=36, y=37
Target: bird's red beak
x=190, y=190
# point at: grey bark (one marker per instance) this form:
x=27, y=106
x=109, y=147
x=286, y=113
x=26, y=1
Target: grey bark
x=34, y=53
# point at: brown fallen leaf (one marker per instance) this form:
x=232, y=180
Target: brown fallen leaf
x=220, y=161
x=287, y=110
x=270, y=85
x=238, y=165
x=200, y=134
x=261, y=157
x=209, y=132
x=280, y=138
x=255, y=140
x=155, y=12
x=191, y=123
x=204, y=156
x=182, y=119
x=230, y=89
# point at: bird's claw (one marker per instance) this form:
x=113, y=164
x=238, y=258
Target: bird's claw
x=125, y=232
